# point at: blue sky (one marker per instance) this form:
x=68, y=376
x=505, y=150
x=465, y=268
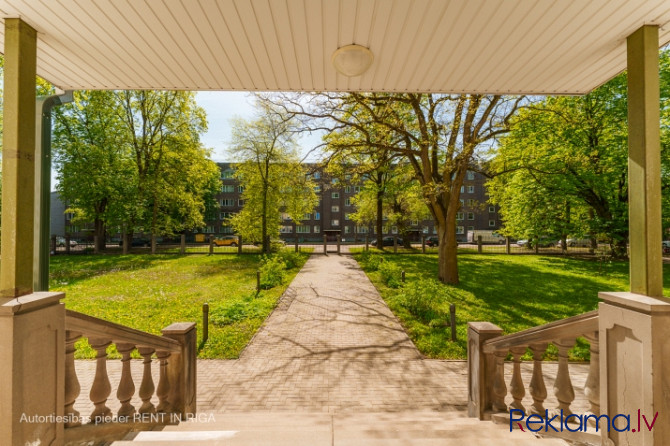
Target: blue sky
x=221, y=107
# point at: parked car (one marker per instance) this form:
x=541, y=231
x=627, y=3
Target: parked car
x=60, y=241
x=137, y=242
x=387, y=241
x=542, y=242
x=228, y=240
x=666, y=247
x=575, y=243
x=431, y=241
x=523, y=242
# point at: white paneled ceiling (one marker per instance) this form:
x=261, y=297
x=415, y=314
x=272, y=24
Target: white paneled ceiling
x=473, y=46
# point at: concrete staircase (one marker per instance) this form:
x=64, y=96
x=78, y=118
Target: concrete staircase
x=355, y=429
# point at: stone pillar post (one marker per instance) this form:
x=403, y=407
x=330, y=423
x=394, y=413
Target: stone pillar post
x=634, y=368
x=481, y=369
x=182, y=368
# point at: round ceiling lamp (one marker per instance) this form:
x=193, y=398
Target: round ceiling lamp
x=352, y=60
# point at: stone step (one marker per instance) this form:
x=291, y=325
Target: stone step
x=363, y=429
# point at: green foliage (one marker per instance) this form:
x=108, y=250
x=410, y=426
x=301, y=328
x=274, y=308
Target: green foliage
x=273, y=178
x=273, y=271
x=428, y=300
x=370, y=261
x=390, y=274
x=234, y=312
x=290, y=258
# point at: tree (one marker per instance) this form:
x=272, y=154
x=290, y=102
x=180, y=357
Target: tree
x=173, y=170
x=439, y=135
x=566, y=157
x=401, y=201
x=92, y=160
x=273, y=179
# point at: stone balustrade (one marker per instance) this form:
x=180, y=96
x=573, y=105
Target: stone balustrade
x=488, y=349
x=175, y=354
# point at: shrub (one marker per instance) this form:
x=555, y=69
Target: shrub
x=370, y=261
x=428, y=300
x=273, y=271
x=390, y=274
x=234, y=312
x=291, y=259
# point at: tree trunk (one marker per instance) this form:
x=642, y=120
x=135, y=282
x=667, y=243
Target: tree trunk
x=380, y=217
x=447, y=260
x=99, y=232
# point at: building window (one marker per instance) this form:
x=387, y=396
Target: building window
x=225, y=215
x=226, y=230
x=317, y=229
x=317, y=216
x=471, y=228
x=459, y=216
x=226, y=174
x=425, y=229
x=227, y=188
x=335, y=195
x=347, y=229
x=240, y=202
x=357, y=189
x=334, y=181
x=307, y=216
x=317, y=189
x=302, y=229
x=434, y=230
x=335, y=222
x=285, y=216
x=492, y=209
x=462, y=202
x=240, y=189
x=471, y=215
x=471, y=203
x=347, y=216
x=335, y=209
x=227, y=202
x=317, y=175
x=471, y=175
x=414, y=222
x=347, y=189
x=68, y=216
x=208, y=229
x=361, y=229
x=460, y=230
x=347, y=177
x=347, y=202
x=492, y=223
x=462, y=189
x=471, y=189
x=394, y=229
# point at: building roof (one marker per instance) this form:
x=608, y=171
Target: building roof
x=456, y=46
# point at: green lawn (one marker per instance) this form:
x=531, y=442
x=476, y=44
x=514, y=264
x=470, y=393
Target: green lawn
x=515, y=292
x=150, y=292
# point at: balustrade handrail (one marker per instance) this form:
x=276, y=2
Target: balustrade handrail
x=564, y=328
x=94, y=327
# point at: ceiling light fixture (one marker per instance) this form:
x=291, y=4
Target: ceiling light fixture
x=352, y=60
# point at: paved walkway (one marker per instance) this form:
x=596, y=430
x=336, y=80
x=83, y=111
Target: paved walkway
x=332, y=345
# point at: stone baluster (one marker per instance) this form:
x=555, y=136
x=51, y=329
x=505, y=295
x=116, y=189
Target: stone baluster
x=126, y=388
x=563, y=390
x=101, y=387
x=72, y=387
x=592, y=385
x=516, y=386
x=147, y=385
x=163, y=384
x=537, y=388
x=499, y=388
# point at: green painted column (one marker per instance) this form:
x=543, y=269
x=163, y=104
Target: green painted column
x=18, y=160
x=644, y=163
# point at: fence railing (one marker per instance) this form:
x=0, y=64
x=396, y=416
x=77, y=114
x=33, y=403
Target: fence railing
x=488, y=349
x=176, y=390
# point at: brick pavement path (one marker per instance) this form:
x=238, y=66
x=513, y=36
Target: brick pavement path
x=331, y=345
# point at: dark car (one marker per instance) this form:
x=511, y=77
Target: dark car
x=432, y=241
x=138, y=242
x=387, y=241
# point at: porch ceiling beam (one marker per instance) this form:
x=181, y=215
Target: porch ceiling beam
x=644, y=163
x=18, y=160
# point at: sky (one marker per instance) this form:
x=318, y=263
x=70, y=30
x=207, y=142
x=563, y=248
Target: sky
x=221, y=107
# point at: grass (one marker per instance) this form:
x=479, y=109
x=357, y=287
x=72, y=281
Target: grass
x=149, y=292
x=514, y=292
